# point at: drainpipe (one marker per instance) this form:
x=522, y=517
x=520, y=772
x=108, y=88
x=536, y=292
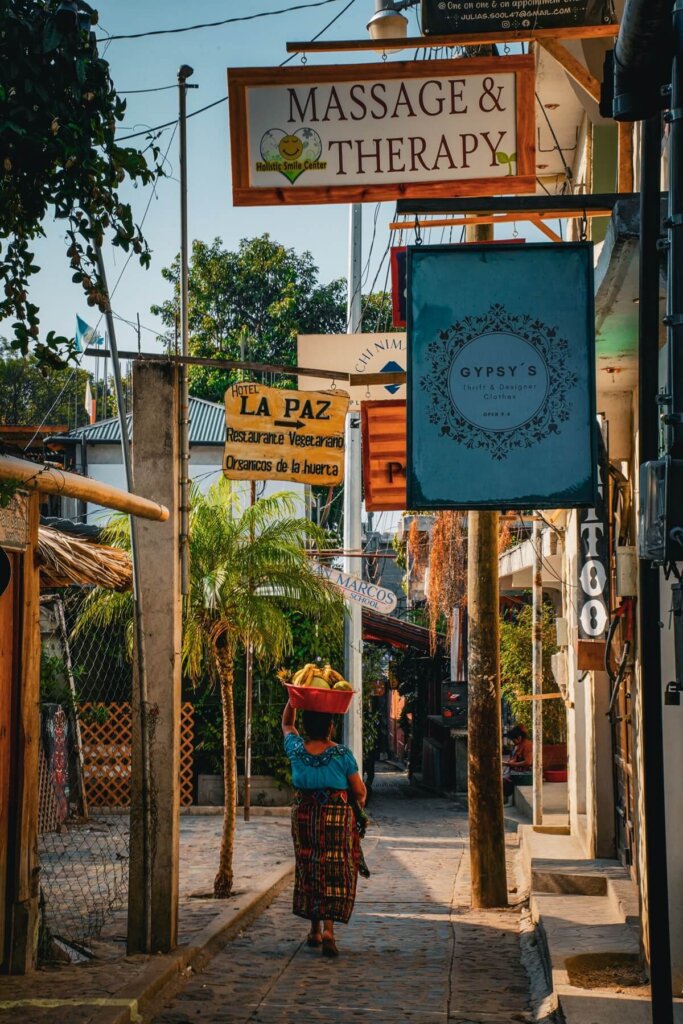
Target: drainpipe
x=642, y=56
x=654, y=825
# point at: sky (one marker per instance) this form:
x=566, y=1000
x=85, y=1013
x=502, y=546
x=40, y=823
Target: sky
x=152, y=63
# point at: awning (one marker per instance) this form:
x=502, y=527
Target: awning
x=386, y=629
x=67, y=561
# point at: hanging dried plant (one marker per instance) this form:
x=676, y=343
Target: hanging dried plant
x=505, y=538
x=447, y=571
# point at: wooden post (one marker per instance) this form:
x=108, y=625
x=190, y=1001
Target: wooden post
x=23, y=823
x=625, y=150
x=485, y=769
x=153, y=895
x=249, y=699
x=537, y=671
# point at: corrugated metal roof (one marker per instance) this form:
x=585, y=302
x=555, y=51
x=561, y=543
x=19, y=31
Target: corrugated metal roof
x=207, y=426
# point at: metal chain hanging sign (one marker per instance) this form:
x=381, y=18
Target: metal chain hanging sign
x=366, y=132
x=276, y=434
x=501, y=377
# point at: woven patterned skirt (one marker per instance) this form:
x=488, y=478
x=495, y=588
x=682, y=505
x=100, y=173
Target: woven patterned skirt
x=326, y=847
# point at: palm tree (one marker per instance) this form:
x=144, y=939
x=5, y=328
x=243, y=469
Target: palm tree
x=247, y=567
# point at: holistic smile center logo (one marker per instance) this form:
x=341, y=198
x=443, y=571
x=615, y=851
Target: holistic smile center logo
x=291, y=154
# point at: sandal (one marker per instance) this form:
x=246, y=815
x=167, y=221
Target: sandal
x=314, y=939
x=329, y=947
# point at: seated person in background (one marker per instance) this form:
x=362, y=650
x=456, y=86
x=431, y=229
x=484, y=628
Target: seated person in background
x=520, y=761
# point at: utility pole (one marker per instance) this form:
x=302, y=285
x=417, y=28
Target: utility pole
x=143, y=788
x=485, y=769
x=184, y=72
x=249, y=661
x=353, y=624
x=537, y=670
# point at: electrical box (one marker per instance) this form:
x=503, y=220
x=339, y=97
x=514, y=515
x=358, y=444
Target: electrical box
x=627, y=571
x=454, y=705
x=562, y=632
x=660, y=516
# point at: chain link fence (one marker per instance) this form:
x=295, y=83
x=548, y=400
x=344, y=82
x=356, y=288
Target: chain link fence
x=85, y=767
x=84, y=777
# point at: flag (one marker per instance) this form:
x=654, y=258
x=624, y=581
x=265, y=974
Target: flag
x=86, y=335
x=89, y=403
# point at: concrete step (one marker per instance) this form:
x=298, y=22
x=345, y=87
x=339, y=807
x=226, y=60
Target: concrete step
x=587, y=915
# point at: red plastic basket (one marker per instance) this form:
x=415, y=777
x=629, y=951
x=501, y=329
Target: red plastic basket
x=311, y=698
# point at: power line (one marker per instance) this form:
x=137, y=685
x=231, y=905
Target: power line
x=133, y=92
x=169, y=124
x=217, y=24
x=118, y=281
x=318, y=34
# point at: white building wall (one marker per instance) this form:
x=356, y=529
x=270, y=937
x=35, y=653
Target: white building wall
x=105, y=464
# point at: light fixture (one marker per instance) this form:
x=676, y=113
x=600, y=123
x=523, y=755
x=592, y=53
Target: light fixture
x=388, y=22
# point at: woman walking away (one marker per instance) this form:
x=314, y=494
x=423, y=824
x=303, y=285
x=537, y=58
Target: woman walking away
x=326, y=843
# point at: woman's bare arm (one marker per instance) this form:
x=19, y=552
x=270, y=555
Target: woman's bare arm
x=288, y=719
x=357, y=787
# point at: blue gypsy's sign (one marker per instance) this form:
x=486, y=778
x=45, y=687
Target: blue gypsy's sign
x=501, y=377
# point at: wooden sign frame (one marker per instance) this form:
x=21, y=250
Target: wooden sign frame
x=240, y=80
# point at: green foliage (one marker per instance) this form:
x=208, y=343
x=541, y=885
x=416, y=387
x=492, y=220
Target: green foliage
x=8, y=488
x=375, y=663
x=54, y=682
x=96, y=714
x=261, y=296
x=29, y=388
x=233, y=553
x=59, y=159
x=515, y=672
x=377, y=312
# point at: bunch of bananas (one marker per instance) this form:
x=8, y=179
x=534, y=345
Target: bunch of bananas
x=319, y=678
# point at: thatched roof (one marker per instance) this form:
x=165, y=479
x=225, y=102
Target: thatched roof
x=67, y=561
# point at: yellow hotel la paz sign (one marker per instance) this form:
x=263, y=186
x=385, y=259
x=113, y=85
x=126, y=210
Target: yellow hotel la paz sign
x=275, y=434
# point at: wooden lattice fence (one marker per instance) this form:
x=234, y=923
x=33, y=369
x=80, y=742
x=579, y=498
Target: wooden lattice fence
x=106, y=740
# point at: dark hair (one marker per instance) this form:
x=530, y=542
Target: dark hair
x=517, y=732
x=317, y=724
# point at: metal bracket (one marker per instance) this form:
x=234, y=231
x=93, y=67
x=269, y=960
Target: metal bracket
x=675, y=221
x=675, y=114
x=674, y=321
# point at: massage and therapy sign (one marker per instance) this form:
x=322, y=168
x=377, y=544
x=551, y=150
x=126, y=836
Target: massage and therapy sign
x=365, y=132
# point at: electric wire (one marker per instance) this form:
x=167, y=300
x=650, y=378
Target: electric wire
x=133, y=92
x=169, y=124
x=217, y=24
x=99, y=321
x=324, y=29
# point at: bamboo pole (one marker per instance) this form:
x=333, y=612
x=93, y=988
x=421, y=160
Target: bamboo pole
x=34, y=476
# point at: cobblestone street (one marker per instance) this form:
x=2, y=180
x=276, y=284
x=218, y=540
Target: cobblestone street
x=413, y=950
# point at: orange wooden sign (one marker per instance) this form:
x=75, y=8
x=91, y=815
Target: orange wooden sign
x=365, y=132
x=384, y=455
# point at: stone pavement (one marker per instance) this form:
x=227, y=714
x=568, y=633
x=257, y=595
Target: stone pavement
x=412, y=952
x=262, y=848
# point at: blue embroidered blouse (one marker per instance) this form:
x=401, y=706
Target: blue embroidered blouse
x=329, y=770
